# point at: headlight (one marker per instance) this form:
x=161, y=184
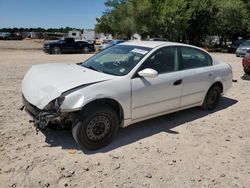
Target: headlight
x=58, y=102
x=55, y=104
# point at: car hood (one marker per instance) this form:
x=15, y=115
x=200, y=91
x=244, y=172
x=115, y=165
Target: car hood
x=44, y=83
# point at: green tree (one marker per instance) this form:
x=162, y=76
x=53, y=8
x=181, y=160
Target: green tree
x=202, y=19
x=232, y=19
x=177, y=20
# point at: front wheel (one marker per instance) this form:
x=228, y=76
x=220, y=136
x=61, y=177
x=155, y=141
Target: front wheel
x=95, y=127
x=56, y=50
x=212, y=97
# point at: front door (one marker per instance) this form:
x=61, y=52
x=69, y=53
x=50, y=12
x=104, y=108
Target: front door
x=69, y=45
x=152, y=96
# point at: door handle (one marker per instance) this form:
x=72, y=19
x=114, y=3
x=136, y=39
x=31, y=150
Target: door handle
x=177, y=82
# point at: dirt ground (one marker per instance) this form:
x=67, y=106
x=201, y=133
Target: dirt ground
x=191, y=148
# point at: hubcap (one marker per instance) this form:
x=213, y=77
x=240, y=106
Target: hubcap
x=98, y=128
x=56, y=50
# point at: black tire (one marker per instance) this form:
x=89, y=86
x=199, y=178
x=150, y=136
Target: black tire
x=212, y=97
x=56, y=50
x=247, y=71
x=95, y=127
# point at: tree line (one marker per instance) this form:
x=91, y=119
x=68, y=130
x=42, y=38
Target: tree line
x=39, y=29
x=189, y=21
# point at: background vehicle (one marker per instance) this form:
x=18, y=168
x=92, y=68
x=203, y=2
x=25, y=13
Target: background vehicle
x=15, y=36
x=4, y=36
x=233, y=47
x=109, y=44
x=122, y=85
x=68, y=45
x=242, y=49
x=246, y=62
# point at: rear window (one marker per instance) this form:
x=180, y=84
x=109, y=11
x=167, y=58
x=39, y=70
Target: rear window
x=194, y=58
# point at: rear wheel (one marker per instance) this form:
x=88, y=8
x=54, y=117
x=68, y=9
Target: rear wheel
x=212, y=97
x=95, y=127
x=56, y=50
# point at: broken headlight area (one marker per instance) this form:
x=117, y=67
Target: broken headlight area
x=50, y=114
x=55, y=104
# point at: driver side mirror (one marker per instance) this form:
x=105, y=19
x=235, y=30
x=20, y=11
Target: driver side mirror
x=148, y=73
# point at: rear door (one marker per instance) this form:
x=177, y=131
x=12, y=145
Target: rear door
x=197, y=73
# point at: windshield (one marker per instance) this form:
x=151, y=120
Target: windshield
x=117, y=60
x=61, y=40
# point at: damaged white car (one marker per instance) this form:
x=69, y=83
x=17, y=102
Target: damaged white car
x=122, y=85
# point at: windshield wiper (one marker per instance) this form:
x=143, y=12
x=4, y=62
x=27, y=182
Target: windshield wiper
x=92, y=68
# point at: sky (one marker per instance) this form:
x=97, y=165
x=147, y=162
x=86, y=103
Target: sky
x=50, y=13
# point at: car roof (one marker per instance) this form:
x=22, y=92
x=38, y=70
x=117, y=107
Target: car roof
x=153, y=44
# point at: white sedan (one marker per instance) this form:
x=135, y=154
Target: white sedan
x=122, y=85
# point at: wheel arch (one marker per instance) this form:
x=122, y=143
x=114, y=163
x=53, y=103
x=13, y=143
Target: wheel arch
x=114, y=104
x=217, y=82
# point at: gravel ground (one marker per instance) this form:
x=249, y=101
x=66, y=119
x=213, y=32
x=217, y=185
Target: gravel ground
x=191, y=148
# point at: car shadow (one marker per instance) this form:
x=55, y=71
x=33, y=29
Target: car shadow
x=138, y=131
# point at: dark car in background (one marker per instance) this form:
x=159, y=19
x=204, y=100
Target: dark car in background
x=233, y=47
x=15, y=36
x=4, y=35
x=68, y=45
x=246, y=62
x=10, y=36
x=243, y=48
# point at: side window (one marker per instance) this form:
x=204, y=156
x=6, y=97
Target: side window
x=163, y=60
x=194, y=58
x=69, y=40
x=82, y=43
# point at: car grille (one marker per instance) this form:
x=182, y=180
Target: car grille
x=34, y=111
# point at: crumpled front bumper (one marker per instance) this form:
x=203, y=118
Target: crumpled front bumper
x=41, y=118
